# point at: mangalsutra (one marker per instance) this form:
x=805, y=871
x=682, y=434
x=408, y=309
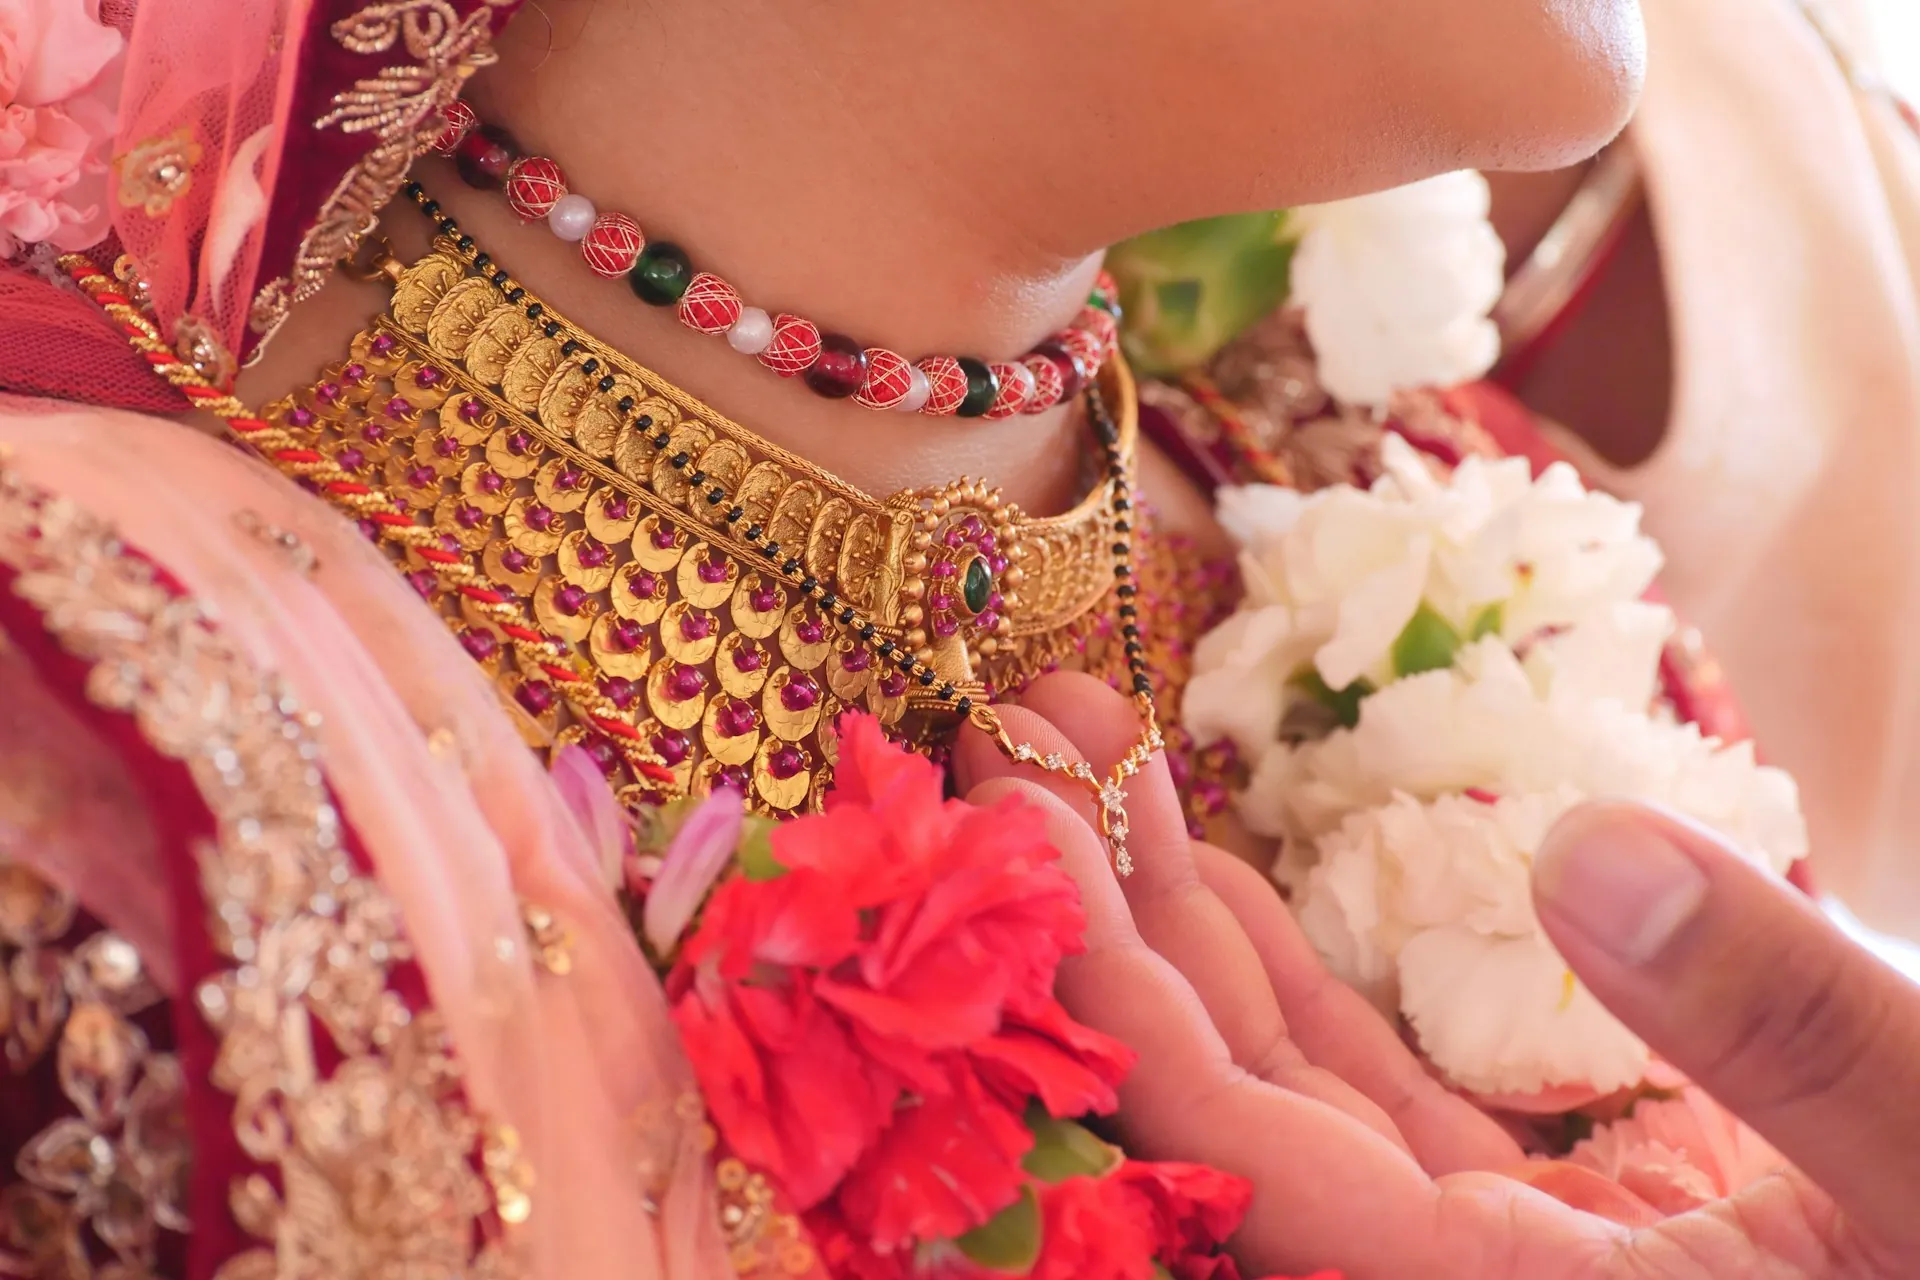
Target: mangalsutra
x=833, y=365
x=589, y=531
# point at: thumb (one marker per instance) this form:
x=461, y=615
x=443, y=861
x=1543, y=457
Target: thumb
x=1742, y=984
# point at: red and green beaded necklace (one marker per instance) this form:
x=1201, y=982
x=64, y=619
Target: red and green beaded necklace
x=833, y=365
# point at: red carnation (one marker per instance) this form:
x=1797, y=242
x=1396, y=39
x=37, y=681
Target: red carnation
x=1093, y=1229
x=1193, y=1210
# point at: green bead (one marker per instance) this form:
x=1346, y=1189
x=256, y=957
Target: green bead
x=977, y=588
x=982, y=388
x=661, y=275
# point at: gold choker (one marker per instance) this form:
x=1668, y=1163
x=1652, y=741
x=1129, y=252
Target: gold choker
x=588, y=496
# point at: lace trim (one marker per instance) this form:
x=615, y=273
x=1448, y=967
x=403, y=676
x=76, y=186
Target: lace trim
x=349, y=1096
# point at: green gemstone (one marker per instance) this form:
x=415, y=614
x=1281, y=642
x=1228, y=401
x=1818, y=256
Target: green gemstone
x=977, y=587
x=661, y=275
x=982, y=388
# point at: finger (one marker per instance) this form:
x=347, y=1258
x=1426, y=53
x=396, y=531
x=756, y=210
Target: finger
x=1341, y=1033
x=1178, y=915
x=1744, y=986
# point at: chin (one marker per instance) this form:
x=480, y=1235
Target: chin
x=1567, y=94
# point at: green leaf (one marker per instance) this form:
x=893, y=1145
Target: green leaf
x=1063, y=1149
x=1343, y=703
x=1190, y=289
x=1010, y=1240
x=1488, y=621
x=756, y=858
x=1427, y=643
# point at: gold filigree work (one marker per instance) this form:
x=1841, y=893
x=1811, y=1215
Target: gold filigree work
x=375, y=1158
x=157, y=172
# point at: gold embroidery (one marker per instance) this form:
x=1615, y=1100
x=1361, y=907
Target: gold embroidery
x=157, y=172
x=115, y=1172
x=401, y=106
x=374, y=1158
x=195, y=341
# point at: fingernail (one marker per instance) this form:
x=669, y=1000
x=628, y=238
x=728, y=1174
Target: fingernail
x=1612, y=873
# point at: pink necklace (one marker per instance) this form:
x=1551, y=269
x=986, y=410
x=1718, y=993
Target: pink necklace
x=832, y=364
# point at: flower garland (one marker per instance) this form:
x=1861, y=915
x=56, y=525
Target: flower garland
x=1423, y=677
x=866, y=997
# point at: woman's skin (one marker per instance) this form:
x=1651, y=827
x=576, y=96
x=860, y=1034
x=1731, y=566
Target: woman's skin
x=1254, y=1059
x=944, y=179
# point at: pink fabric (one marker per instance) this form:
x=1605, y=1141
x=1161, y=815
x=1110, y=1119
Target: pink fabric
x=457, y=837
x=1787, y=206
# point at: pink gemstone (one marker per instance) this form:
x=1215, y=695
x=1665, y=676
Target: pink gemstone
x=987, y=621
x=954, y=537
x=945, y=626
x=709, y=305
x=534, y=185
x=889, y=378
x=351, y=459
x=664, y=537
x=423, y=581
x=628, y=635
x=299, y=417
x=735, y=719
x=519, y=442
x=540, y=517
x=450, y=544
x=857, y=660
x=995, y=600
x=747, y=660
x=355, y=372
x=420, y=477
x=398, y=407
x=810, y=631
x=643, y=585
x=732, y=776
x=428, y=376
x=613, y=245
x=893, y=684
x=946, y=383
x=619, y=692
x=786, y=762
x=327, y=392
x=383, y=344
x=479, y=644
x=446, y=446
x=800, y=694
x=515, y=560
x=696, y=626
x=941, y=602
x=973, y=526
x=988, y=542
x=944, y=569
x=795, y=346
x=713, y=570
x=569, y=478
x=685, y=682
x=472, y=410
x=570, y=599
x=492, y=482
x=998, y=563
x=601, y=750
x=368, y=529
x=764, y=600
x=617, y=509
x=536, y=696
x=594, y=555
x=671, y=746
x=373, y=433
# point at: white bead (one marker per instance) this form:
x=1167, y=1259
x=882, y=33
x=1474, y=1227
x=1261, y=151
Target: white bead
x=918, y=389
x=752, y=333
x=572, y=217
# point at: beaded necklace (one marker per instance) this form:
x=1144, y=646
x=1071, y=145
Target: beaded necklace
x=833, y=365
x=568, y=510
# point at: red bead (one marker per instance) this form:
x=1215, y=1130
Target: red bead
x=946, y=383
x=1016, y=388
x=1101, y=325
x=795, y=346
x=840, y=370
x=1106, y=286
x=1073, y=374
x=1086, y=349
x=534, y=186
x=1048, y=384
x=484, y=157
x=459, y=122
x=889, y=378
x=613, y=245
x=709, y=305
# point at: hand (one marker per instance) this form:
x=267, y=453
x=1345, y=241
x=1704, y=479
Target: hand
x=1254, y=1059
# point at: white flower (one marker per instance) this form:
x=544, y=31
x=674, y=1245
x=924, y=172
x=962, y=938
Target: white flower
x=1397, y=287
x=1484, y=663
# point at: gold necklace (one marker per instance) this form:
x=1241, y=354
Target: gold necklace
x=587, y=528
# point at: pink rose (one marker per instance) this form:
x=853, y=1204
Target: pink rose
x=59, y=85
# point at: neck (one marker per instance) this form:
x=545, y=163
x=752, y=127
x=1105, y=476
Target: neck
x=793, y=194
